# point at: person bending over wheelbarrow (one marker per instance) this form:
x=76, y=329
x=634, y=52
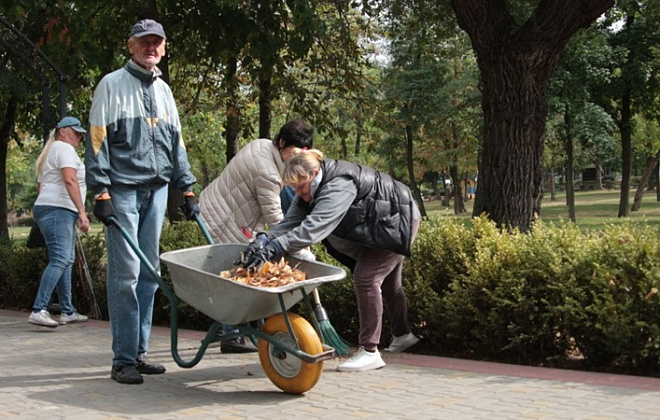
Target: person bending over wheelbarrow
x=369, y=218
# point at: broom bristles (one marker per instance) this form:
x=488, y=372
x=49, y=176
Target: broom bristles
x=331, y=338
x=328, y=332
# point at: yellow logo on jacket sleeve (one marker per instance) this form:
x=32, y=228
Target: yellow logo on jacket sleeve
x=98, y=135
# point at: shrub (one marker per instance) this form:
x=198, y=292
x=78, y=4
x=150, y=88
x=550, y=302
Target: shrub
x=20, y=269
x=509, y=305
x=618, y=283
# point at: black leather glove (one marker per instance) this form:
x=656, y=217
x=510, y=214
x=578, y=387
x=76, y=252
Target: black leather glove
x=104, y=210
x=272, y=253
x=190, y=208
x=259, y=242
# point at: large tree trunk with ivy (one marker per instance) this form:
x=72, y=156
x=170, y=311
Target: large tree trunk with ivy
x=516, y=60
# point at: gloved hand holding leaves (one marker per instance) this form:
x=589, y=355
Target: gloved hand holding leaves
x=259, y=242
x=104, y=210
x=272, y=253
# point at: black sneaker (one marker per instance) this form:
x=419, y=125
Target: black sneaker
x=237, y=345
x=126, y=375
x=143, y=366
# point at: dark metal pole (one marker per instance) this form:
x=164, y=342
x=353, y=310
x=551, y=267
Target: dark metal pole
x=45, y=113
x=63, y=106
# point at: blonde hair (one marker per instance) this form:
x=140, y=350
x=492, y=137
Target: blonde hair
x=300, y=168
x=39, y=165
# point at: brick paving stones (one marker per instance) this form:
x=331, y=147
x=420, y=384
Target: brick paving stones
x=64, y=373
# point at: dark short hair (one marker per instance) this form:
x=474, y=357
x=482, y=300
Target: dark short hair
x=297, y=133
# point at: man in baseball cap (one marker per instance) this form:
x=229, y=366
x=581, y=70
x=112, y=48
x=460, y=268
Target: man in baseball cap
x=131, y=168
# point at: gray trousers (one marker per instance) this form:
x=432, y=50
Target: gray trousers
x=377, y=279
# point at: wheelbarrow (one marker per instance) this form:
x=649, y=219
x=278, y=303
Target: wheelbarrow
x=291, y=350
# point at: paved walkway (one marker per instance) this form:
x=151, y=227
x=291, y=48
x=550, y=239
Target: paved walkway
x=65, y=374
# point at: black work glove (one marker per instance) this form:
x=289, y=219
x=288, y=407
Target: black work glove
x=104, y=210
x=259, y=242
x=190, y=208
x=272, y=252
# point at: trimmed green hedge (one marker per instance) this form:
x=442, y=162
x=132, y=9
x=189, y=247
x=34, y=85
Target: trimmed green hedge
x=553, y=297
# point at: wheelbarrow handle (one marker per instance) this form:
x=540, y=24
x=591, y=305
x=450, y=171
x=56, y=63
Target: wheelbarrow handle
x=202, y=227
x=143, y=258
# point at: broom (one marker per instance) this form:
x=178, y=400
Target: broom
x=330, y=336
x=95, y=311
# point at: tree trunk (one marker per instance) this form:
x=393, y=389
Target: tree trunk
x=265, y=95
x=656, y=179
x=358, y=135
x=434, y=184
x=6, y=130
x=459, y=204
x=599, y=174
x=411, y=173
x=516, y=63
x=644, y=181
x=552, y=185
x=232, y=111
x=625, y=128
x=568, y=146
x=445, y=191
x=626, y=153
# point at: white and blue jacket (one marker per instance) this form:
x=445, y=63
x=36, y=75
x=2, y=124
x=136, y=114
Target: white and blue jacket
x=135, y=133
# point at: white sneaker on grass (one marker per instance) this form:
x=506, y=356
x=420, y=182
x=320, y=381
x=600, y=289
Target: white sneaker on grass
x=43, y=319
x=72, y=319
x=362, y=360
x=402, y=343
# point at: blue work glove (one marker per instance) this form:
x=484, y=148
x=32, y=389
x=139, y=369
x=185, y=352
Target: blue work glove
x=272, y=253
x=190, y=208
x=259, y=242
x=104, y=210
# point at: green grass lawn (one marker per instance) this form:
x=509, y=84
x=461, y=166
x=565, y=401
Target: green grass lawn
x=20, y=233
x=593, y=209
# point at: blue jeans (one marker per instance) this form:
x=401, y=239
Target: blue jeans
x=58, y=225
x=131, y=288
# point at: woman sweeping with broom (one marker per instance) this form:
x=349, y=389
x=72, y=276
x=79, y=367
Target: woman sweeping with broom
x=365, y=215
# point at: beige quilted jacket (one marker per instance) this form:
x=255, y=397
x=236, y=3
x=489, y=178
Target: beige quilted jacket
x=246, y=195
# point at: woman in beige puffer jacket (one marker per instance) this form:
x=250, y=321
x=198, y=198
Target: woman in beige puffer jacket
x=245, y=198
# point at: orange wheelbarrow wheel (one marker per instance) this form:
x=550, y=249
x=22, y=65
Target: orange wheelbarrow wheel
x=288, y=372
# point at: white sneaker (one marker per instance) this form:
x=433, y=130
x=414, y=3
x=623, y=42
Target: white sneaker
x=402, y=343
x=72, y=319
x=362, y=360
x=43, y=319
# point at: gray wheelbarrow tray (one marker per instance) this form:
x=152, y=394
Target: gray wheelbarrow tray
x=195, y=274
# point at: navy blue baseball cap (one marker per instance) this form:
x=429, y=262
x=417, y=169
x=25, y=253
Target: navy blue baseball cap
x=148, y=27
